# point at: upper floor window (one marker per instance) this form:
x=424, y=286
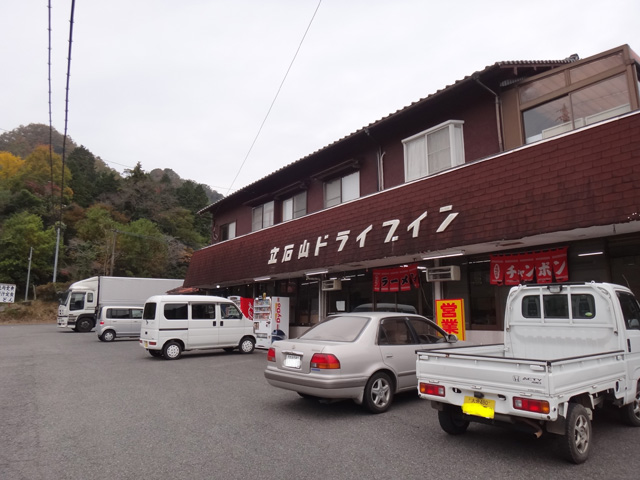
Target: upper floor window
x=294, y=207
x=602, y=100
x=433, y=150
x=228, y=231
x=342, y=189
x=262, y=216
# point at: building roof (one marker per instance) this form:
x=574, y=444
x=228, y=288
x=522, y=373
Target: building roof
x=505, y=72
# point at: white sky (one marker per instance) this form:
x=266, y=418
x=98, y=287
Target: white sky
x=186, y=84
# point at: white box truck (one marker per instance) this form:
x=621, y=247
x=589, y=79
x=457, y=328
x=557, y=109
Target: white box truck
x=81, y=302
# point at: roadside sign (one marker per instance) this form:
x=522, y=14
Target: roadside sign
x=450, y=316
x=7, y=293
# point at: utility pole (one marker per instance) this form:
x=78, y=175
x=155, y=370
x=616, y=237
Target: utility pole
x=26, y=290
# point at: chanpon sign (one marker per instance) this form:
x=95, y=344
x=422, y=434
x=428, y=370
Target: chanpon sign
x=7, y=293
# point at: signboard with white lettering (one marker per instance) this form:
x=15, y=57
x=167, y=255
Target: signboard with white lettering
x=7, y=293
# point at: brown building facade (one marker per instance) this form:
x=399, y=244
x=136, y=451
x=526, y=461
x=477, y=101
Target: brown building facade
x=520, y=158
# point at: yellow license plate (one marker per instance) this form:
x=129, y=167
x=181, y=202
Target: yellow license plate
x=146, y=344
x=480, y=407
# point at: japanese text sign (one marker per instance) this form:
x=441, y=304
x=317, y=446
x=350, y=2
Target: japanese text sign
x=450, y=316
x=7, y=293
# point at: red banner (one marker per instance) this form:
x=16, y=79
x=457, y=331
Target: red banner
x=400, y=279
x=527, y=267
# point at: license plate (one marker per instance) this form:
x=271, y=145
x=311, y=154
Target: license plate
x=292, y=361
x=480, y=407
x=146, y=344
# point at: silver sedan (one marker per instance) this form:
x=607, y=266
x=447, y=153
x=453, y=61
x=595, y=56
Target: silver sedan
x=366, y=356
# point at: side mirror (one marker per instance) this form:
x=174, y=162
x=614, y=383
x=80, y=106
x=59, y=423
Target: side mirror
x=452, y=338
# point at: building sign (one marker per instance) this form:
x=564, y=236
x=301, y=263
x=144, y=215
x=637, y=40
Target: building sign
x=394, y=229
x=400, y=279
x=450, y=316
x=541, y=267
x=7, y=293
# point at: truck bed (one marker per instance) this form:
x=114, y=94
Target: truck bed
x=489, y=369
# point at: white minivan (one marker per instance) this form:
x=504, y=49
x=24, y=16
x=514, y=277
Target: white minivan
x=118, y=322
x=172, y=324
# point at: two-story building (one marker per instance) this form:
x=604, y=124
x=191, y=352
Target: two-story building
x=526, y=171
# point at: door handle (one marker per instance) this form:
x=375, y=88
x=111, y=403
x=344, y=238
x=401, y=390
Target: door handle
x=214, y=323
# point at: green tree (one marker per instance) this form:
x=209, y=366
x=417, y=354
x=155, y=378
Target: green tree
x=179, y=222
x=19, y=233
x=193, y=197
x=143, y=250
x=82, y=165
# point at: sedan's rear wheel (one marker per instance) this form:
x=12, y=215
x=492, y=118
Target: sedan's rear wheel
x=378, y=393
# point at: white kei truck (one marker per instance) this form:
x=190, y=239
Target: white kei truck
x=568, y=350
x=80, y=304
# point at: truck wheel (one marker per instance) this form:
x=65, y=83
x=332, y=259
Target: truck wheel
x=577, y=440
x=84, y=325
x=172, y=350
x=247, y=345
x=631, y=412
x=452, y=420
x=378, y=393
x=108, y=336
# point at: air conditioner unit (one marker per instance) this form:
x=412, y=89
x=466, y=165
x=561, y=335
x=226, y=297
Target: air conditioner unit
x=331, y=285
x=443, y=274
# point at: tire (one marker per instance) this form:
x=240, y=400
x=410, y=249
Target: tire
x=452, y=420
x=378, y=393
x=577, y=439
x=155, y=353
x=631, y=412
x=108, y=336
x=171, y=350
x=247, y=345
x=84, y=325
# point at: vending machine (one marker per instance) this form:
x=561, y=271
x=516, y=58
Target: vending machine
x=270, y=320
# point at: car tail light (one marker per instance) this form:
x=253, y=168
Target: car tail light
x=432, y=389
x=271, y=355
x=325, y=361
x=530, y=405
x=101, y=322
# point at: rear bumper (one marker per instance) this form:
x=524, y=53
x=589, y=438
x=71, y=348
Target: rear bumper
x=317, y=385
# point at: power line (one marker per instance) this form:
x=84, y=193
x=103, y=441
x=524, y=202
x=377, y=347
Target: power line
x=274, y=98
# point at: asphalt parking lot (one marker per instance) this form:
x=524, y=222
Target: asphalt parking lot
x=76, y=408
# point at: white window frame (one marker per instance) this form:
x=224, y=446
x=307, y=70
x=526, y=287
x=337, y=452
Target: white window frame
x=262, y=216
x=421, y=168
x=231, y=231
x=349, y=186
x=294, y=207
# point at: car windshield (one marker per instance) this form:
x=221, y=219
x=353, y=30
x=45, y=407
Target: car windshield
x=337, y=329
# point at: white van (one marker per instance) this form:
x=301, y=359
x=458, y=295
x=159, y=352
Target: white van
x=172, y=324
x=118, y=321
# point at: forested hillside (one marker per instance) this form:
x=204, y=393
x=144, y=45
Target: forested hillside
x=137, y=224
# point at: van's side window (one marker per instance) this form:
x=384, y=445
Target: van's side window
x=203, y=311
x=136, y=313
x=175, y=311
x=230, y=311
x=149, y=311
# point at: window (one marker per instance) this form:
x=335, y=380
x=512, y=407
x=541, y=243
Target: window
x=294, y=207
x=77, y=301
x=630, y=310
x=262, y=216
x=228, y=231
x=588, y=105
x=203, y=311
x=342, y=189
x=149, y=311
x=230, y=312
x=395, y=331
x=433, y=150
x=175, y=311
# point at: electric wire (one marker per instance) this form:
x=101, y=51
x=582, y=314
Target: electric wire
x=274, y=99
x=66, y=106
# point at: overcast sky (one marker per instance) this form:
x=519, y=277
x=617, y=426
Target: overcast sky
x=187, y=84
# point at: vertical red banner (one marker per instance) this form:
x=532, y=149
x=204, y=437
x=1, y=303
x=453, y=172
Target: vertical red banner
x=511, y=265
x=496, y=272
x=526, y=267
x=559, y=263
x=543, y=267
